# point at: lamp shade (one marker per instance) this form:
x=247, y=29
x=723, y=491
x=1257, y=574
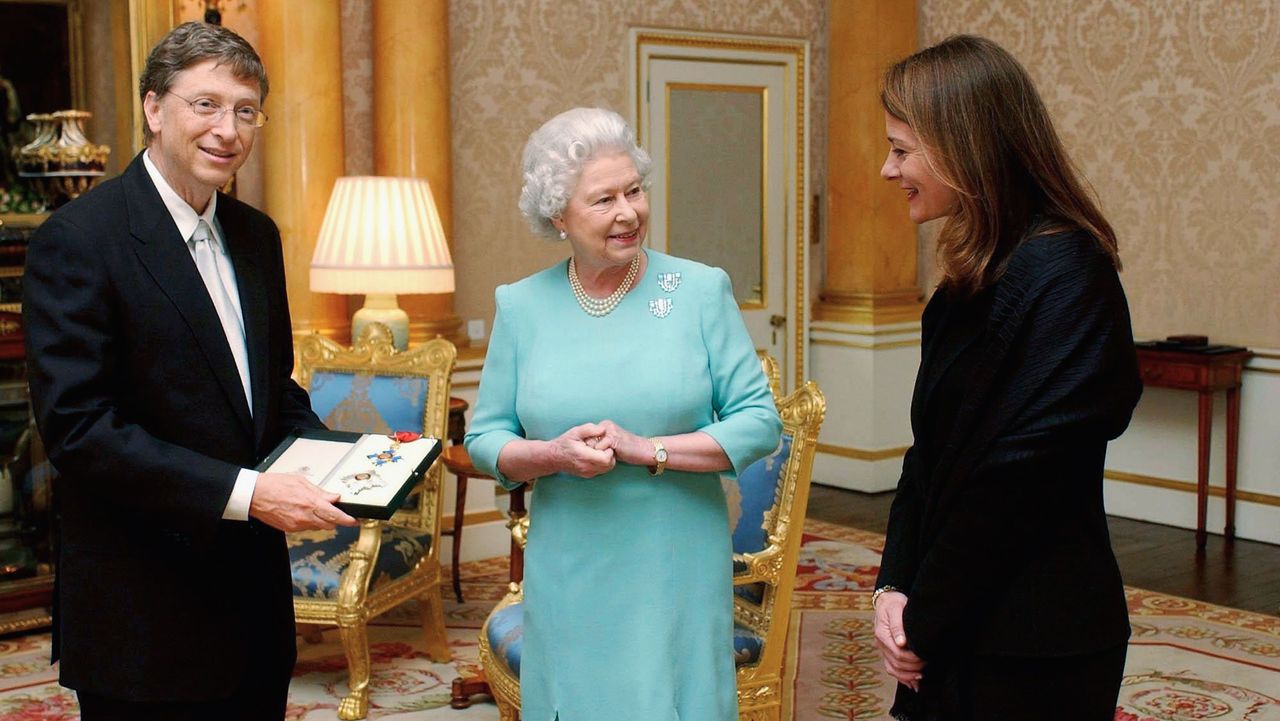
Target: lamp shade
x=381, y=235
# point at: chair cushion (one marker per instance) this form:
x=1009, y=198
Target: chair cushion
x=363, y=403
x=318, y=558
x=505, y=634
x=754, y=493
x=746, y=645
x=753, y=592
x=758, y=490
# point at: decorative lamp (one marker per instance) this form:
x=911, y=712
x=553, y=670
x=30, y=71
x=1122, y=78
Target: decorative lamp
x=381, y=237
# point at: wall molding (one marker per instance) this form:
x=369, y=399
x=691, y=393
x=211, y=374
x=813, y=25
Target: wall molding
x=862, y=454
x=866, y=346
x=870, y=331
x=1171, y=484
x=1271, y=371
x=474, y=519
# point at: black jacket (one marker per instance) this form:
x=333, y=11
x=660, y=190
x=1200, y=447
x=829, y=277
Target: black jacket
x=139, y=402
x=997, y=534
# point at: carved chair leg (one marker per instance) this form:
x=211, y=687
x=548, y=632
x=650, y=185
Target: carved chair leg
x=507, y=711
x=355, y=642
x=760, y=701
x=768, y=713
x=432, y=608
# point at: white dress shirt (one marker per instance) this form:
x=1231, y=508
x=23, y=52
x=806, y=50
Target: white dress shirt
x=186, y=218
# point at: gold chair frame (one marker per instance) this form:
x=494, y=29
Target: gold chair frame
x=374, y=354
x=760, y=683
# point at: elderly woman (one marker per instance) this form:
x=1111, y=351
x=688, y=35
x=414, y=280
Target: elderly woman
x=999, y=596
x=623, y=380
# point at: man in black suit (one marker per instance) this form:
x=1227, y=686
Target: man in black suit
x=159, y=350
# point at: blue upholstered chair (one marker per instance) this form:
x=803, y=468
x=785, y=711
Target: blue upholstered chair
x=347, y=576
x=767, y=506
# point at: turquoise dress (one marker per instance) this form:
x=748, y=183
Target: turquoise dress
x=628, y=577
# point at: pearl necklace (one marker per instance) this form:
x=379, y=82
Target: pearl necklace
x=597, y=307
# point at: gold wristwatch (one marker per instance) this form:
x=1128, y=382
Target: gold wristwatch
x=659, y=458
x=875, y=595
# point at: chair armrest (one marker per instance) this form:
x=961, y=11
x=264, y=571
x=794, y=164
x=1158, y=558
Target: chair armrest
x=519, y=530
x=761, y=567
x=353, y=587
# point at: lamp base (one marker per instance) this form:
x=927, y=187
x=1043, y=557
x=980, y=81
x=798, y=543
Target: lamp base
x=382, y=308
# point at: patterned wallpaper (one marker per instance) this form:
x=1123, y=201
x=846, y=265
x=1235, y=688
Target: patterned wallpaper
x=1172, y=111
x=518, y=62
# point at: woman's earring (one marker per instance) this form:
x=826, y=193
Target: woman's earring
x=564, y=235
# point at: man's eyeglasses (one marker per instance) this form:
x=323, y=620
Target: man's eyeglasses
x=213, y=112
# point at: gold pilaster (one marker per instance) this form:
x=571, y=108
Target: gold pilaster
x=871, y=269
x=302, y=145
x=412, y=135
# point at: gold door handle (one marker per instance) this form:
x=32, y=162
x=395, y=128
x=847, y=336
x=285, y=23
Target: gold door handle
x=777, y=321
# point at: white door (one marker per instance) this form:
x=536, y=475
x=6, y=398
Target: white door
x=723, y=191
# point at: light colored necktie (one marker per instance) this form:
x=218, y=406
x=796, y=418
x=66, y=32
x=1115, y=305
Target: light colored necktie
x=232, y=324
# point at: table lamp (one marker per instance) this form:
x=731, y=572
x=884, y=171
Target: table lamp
x=381, y=237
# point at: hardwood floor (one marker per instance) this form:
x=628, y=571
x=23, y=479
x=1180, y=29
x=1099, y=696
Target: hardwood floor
x=1244, y=574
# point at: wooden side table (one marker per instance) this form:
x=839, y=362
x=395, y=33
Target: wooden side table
x=458, y=462
x=1205, y=373
x=457, y=432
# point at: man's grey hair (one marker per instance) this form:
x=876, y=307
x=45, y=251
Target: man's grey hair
x=191, y=43
x=556, y=153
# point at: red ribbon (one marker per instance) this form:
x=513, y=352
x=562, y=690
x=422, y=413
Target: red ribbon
x=406, y=436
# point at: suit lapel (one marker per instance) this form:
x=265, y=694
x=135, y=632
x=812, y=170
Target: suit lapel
x=163, y=252
x=244, y=247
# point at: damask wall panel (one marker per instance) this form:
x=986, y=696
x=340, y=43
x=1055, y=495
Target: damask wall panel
x=515, y=63
x=1172, y=111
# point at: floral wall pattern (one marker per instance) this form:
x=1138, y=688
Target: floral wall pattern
x=515, y=63
x=1172, y=111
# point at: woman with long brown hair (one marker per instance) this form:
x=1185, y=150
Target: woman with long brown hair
x=999, y=596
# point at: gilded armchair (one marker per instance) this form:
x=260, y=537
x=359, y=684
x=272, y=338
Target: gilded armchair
x=348, y=576
x=768, y=523
x=767, y=505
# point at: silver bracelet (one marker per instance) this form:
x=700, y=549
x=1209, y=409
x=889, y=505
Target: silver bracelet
x=875, y=595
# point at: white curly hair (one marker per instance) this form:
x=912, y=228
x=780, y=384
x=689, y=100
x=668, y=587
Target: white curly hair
x=556, y=152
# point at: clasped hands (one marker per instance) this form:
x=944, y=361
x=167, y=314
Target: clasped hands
x=899, y=660
x=591, y=449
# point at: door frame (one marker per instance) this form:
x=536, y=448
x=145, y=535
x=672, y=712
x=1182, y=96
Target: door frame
x=793, y=54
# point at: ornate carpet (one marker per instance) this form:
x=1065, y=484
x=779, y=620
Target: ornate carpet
x=1188, y=661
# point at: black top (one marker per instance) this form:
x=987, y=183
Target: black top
x=961, y=325
x=997, y=534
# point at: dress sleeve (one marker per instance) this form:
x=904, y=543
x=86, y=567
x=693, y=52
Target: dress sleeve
x=747, y=425
x=494, y=422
